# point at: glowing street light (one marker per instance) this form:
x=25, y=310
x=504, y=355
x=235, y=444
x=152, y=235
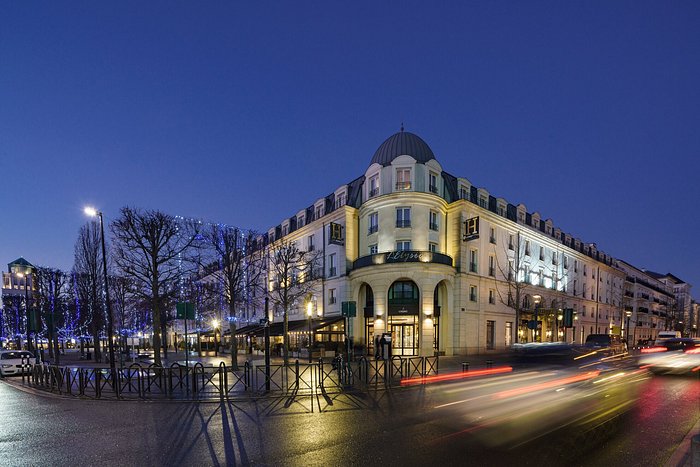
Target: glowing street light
x=92, y=212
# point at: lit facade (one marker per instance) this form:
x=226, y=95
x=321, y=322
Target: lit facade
x=400, y=241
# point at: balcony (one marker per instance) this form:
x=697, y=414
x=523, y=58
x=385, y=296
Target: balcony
x=372, y=229
x=403, y=224
x=433, y=226
x=373, y=192
x=407, y=256
x=433, y=189
x=403, y=186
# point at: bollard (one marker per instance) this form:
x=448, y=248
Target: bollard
x=489, y=363
x=465, y=366
x=695, y=451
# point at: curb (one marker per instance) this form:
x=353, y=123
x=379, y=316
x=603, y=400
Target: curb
x=681, y=456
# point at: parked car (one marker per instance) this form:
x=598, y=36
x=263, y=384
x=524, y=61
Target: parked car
x=606, y=344
x=14, y=362
x=676, y=355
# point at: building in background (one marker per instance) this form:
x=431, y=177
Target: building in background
x=18, y=289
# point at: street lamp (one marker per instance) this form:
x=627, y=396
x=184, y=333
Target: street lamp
x=215, y=325
x=538, y=299
x=26, y=307
x=92, y=212
x=628, y=313
x=310, y=314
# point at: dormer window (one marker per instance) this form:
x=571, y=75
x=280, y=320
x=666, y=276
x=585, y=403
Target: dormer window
x=373, y=186
x=432, y=183
x=319, y=211
x=483, y=202
x=340, y=200
x=300, y=221
x=403, y=179
x=463, y=193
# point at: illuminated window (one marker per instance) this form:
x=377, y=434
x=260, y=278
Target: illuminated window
x=403, y=179
x=373, y=224
x=373, y=186
x=403, y=245
x=432, y=247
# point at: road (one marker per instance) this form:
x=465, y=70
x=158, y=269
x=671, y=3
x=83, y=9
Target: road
x=421, y=425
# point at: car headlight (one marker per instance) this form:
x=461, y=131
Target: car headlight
x=4, y=365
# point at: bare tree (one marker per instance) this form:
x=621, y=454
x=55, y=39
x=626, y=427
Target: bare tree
x=88, y=276
x=123, y=304
x=292, y=275
x=151, y=248
x=52, y=294
x=233, y=270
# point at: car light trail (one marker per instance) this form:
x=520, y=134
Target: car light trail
x=456, y=376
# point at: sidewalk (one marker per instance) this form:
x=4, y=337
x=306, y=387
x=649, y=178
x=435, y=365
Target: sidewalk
x=682, y=457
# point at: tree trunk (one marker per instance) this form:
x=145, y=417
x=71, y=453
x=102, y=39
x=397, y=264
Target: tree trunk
x=234, y=340
x=156, y=334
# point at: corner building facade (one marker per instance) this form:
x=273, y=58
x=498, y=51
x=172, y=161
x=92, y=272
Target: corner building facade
x=444, y=267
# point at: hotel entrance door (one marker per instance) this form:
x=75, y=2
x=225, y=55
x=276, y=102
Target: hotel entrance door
x=404, y=338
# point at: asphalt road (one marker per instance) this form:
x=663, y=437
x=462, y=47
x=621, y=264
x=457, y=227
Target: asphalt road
x=422, y=425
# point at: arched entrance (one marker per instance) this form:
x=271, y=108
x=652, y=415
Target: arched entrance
x=402, y=322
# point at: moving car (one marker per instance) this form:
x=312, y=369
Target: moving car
x=676, y=355
x=606, y=344
x=14, y=362
x=665, y=335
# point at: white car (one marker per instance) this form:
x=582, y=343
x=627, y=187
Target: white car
x=13, y=362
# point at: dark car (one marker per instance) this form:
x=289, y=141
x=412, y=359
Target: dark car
x=606, y=344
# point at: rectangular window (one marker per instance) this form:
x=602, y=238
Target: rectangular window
x=540, y=278
x=492, y=235
x=433, y=221
x=340, y=200
x=527, y=247
x=403, y=179
x=373, y=249
x=501, y=210
x=584, y=269
x=331, y=265
x=331, y=296
x=472, y=261
x=432, y=183
x=285, y=230
x=319, y=212
x=403, y=245
x=492, y=266
x=472, y=293
x=541, y=253
x=510, y=242
x=566, y=261
x=300, y=221
x=482, y=202
x=373, y=224
x=311, y=243
x=509, y=333
x=554, y=257
x=432, y=247
x=403, y=217
x=490, y=334
x=492, y=296
x=511, y=269
x=373, y=186
x=463, y=193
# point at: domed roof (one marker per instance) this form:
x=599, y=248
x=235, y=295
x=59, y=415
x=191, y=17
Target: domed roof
x=403, y=143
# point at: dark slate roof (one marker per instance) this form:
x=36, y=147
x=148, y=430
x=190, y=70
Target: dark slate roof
x=403, y=143
x=20, y=262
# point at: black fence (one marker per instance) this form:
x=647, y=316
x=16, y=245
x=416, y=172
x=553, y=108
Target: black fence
x=199, y=382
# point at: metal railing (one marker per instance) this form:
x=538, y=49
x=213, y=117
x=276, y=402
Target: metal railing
x=200, y=382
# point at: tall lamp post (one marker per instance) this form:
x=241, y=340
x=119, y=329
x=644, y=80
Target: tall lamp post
x=26, y=307
x=215, y=325
x=310, y=314
x=537, y=299
x=92, y=212
x=627, y=328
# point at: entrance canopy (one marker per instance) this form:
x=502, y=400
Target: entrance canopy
x=277, y=328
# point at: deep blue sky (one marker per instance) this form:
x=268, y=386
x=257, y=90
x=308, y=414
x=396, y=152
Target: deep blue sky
x=246, y=112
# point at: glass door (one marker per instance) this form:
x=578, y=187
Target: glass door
x=404, y=339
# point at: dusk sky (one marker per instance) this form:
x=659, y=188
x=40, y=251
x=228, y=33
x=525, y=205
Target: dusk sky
x=246, y=112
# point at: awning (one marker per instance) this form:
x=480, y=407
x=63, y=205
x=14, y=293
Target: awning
x=277, y=328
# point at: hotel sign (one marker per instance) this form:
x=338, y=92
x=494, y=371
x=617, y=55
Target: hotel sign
x=471, y=229
x=407, y=257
